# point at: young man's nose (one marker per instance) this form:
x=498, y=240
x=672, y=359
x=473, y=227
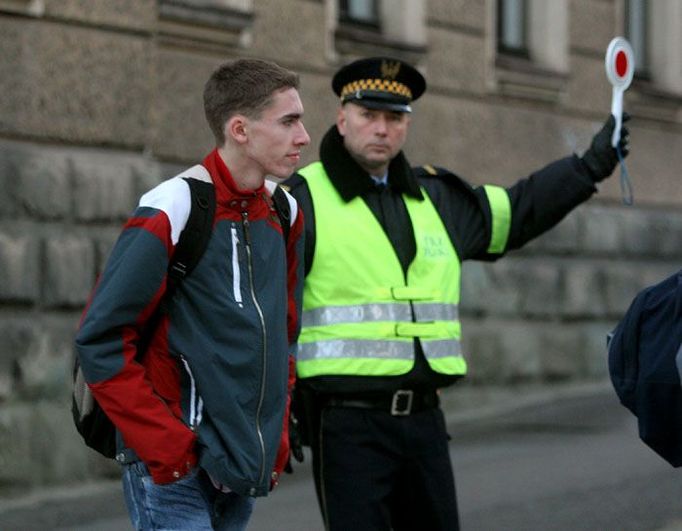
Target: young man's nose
x=303, y=138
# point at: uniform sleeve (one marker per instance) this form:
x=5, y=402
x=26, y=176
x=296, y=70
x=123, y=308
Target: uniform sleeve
x=487, y=221
x=542, y=200
x=124, y=299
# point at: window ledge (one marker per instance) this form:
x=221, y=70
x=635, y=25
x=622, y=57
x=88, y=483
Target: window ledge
x=520, y=77
x=31, y=8
x=355, y=40
x=646, y=99
x=209, y=27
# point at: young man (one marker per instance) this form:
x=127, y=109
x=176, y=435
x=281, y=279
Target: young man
x=200, y=415
x=381, y=334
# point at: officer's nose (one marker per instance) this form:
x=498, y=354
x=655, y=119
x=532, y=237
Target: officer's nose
x=381, y=126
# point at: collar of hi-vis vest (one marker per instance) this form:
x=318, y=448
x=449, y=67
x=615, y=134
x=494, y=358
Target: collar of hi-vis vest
x=351, y=181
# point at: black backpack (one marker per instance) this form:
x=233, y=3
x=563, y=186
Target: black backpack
x=645, y=361
x=91, y=421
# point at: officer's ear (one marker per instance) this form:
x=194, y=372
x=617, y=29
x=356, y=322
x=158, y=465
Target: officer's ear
x=341, y=120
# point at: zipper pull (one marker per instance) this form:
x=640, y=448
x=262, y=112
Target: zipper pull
x=245, y=221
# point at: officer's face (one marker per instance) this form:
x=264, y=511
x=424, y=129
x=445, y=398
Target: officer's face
x=372, y=137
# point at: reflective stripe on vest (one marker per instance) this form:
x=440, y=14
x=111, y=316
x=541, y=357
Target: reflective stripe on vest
x=360, y=313
x=357, y=307
x=500, y=209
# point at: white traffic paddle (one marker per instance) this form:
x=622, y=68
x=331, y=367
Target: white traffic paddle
x=620, y=67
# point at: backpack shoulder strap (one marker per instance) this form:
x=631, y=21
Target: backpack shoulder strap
x=193, y=238
x=286, y=207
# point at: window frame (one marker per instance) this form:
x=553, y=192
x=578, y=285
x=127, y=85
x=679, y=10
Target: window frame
x=401, y=31
x=502, y=47
x=345, y=16
x=642, y=45
x=541, y=72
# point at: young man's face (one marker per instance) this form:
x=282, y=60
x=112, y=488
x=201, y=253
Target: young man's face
x=275, y=139
x=372, y=137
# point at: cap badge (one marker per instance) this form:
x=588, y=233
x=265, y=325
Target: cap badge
x=390, y=69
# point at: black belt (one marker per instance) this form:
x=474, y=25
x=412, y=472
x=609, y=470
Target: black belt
x=402, y=402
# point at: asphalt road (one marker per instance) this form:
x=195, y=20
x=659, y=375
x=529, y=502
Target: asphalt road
x=574, y=463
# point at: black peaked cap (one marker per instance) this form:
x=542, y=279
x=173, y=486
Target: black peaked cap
x=379, y=83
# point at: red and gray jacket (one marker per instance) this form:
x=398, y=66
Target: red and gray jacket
x=212, y=387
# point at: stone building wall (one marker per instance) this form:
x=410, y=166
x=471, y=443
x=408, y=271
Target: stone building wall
x=102, y=99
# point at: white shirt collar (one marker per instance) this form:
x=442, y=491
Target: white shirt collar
x=381, y=180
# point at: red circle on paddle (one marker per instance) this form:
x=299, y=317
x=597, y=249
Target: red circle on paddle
x=621, y=63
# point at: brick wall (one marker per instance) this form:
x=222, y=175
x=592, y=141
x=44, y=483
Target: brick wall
x=101, y=100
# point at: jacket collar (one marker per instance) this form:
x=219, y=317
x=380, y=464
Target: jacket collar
x=226, y=187
x=348, y=177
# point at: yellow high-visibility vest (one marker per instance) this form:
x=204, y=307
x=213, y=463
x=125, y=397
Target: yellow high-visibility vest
x=358, y=306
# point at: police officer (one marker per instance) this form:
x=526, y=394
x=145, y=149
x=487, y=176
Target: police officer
x=384, y=245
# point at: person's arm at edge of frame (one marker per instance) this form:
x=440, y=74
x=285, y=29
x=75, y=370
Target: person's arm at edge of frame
x=127, y=294
x=295, y=278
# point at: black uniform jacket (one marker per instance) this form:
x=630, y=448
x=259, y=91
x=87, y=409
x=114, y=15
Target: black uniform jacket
x=538, y=203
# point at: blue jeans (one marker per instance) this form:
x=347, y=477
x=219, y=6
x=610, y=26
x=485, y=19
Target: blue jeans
x=190, y=504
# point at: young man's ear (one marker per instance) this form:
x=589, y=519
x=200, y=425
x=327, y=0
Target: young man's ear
x=235, y=129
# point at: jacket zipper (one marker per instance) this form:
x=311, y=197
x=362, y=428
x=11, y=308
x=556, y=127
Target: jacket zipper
x=196, y=404
x=247, y=239
x=236, y=275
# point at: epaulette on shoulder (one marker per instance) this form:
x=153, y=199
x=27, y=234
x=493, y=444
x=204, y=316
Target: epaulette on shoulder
x=431, y=170
x=435, y=172
x=427, y=170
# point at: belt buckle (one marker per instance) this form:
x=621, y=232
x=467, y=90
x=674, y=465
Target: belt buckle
x=401, y=404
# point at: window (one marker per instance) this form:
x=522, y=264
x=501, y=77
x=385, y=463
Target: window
x=220, y=25
x=376, y=27
x=653, y=29
x=636, y=30
x=531, y=48
x=359, y=11
x=512, y=27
